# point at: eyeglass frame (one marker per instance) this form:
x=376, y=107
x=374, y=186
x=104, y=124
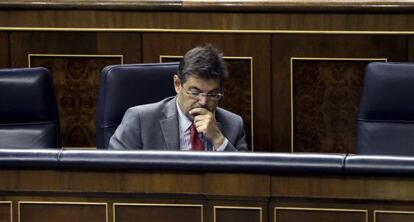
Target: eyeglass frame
x=210, y=96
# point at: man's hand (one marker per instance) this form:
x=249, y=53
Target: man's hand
x=205, y=123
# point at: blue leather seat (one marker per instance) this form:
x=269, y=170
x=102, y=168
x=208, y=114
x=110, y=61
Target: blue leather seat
x=386, y=114
x=124, y=86
x=28, y=110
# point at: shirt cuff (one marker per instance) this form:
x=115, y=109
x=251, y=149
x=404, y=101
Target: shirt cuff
x=222, y=146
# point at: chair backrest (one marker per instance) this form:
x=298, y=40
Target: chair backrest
x=124, y=86
x=28, y=110
x=386, y=114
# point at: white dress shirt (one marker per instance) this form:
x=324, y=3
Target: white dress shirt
x=184, y=130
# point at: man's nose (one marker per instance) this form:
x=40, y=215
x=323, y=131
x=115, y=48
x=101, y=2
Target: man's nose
x=202, y=99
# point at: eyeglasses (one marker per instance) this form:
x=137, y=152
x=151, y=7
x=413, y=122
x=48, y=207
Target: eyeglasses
x=197, y=94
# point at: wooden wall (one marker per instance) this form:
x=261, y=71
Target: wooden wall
x=298, y=69
x=159, y=196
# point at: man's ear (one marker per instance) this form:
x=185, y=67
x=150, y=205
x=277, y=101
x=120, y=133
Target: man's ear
x=177, y=84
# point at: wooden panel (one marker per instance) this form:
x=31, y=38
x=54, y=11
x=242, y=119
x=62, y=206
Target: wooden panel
x=237, y=184
x=24, y=43
x=380, y=188
x=284, y=47
x=119, y=43
x=410, y=48
x=208, y=21
x=158, y=212
x=76, y=60
x=72, y=195
x=4, y=52
x=76, y=83
x=144, y=182
x=232, y=45
x=326, y=96
x=393, y=216
x=5, y=211
x=224, y=214
x=62, y=212
x=286, y=214
x=127, y=44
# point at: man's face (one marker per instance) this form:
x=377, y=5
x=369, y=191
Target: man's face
x=195, y=84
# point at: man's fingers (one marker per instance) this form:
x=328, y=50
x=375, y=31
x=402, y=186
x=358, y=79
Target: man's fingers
x=198, y=111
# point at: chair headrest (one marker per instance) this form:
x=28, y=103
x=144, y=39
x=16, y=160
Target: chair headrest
x=124, y=86
x=27, y=95
x=388, y=92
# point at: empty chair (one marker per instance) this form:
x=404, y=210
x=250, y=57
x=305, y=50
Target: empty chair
x=28, y=110
x=386, y=114
x=124, y=86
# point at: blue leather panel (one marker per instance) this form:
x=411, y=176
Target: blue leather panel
x=40, y=135
x=26, y=95
x=124, y=86
x=204, y=161
x=46, y=158
x=386, y=113
x=374, y=165
x=385, y=138
x=175, y=160
x=28, y=109
x=388, y=92
x=271, y=163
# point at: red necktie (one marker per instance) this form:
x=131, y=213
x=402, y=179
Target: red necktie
x=194, y=140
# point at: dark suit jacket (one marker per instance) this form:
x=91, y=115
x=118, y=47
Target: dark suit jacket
x=155, y=127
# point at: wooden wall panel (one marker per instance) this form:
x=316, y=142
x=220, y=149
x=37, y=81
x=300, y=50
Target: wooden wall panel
x=211, y=20
x=285, y=47
x=232, y=213
x=127, y=44
x=232, y=45
x=393, y=216
x=76, y=82
x=5, y=211
x=286, y=214
x=158, y=212
x=410, y=53
x=76, y=59
x=325, y=97
x=24, y=43
x=62, y=212
x=4, y=50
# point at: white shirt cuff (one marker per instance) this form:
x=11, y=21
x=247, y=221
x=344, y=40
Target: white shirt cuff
x=222, y=146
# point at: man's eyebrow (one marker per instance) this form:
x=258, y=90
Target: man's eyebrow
x=194, y=88
x=217, y=90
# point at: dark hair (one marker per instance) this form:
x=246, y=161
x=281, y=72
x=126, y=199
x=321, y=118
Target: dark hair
x=204, y=61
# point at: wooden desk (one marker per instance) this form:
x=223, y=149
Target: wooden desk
x=119, y=195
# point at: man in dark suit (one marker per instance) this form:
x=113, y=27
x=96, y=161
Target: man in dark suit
x=191, y=120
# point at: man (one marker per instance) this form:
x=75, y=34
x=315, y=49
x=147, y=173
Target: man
x=189, y=121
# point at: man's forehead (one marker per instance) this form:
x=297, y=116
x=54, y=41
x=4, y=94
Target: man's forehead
x=198, y=79
x=202, y=84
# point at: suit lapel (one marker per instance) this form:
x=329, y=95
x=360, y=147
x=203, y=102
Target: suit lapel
x=218, y=119
x=169, y=126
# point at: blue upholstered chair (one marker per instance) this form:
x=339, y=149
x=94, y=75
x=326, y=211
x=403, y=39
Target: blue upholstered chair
x=124, y=86
x=386, y=114
x=28, y=110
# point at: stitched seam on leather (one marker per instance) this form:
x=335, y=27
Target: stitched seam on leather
x=344, y=163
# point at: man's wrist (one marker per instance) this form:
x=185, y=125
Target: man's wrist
x=218, y=141
x=223, y=146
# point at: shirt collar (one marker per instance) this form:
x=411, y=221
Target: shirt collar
x=183, y=121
